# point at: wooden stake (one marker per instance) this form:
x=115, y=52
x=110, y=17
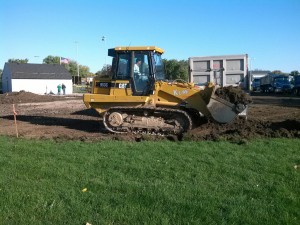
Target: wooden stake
x=15, y=118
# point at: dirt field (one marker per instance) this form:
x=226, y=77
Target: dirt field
x=66, y=118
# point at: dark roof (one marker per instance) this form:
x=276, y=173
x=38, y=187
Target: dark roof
x=37, y=71
x=253, y=72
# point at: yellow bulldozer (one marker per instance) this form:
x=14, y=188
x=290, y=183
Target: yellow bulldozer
x=135, y=97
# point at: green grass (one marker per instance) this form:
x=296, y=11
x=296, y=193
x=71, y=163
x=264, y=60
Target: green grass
x=41, y=182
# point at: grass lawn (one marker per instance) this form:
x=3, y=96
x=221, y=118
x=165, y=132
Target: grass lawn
x=112, y=182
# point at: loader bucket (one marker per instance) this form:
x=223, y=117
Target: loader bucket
x=223, y=111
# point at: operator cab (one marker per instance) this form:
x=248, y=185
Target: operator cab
x=141, y=66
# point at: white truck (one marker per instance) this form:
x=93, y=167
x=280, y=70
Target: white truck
x=226, y=70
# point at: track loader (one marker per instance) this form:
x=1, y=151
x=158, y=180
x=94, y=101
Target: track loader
x=136, y=97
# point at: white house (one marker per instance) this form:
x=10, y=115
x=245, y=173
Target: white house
x=35, y=78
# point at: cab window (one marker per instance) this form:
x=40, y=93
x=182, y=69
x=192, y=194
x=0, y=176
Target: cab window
x=159, y=67
x=123, y=67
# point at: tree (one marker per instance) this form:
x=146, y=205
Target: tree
x=18, y=60
x=72, y=68
x=84, y=71
x=175, y=69
x=105, y=71
x=277, y=72
x=51, y=60
x=295, y=73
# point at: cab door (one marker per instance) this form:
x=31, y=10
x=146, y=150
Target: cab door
x=143, y=80
x=121, y=82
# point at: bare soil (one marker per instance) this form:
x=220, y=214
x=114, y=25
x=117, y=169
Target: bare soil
x=66, y=118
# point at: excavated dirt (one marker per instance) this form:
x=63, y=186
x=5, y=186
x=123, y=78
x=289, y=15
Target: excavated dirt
x=234, y=95
x=66, y=118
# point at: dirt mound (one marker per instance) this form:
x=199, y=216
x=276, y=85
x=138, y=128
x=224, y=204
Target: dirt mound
x=60, y=118
x=242, y=129
x=234, y=95
x=26, y=97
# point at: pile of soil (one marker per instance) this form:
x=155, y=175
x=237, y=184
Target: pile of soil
x=66, y=118
x=241, y=130
x=234, y=95
x=26, y=97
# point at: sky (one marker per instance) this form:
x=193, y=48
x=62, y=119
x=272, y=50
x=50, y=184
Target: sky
x=267, y=30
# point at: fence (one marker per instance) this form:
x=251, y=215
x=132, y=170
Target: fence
x=81, y=89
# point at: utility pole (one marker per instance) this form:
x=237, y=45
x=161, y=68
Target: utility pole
x=250, y=74
x=76, y=42
x=104, y=39
x=37, y=56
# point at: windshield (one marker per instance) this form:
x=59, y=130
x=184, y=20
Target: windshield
x=159, y=67
x=256, y=81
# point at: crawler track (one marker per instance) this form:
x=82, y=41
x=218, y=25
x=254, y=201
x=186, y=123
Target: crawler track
x=142, y=120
